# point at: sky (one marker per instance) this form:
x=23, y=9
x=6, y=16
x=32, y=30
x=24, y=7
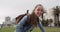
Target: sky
x=13, y=8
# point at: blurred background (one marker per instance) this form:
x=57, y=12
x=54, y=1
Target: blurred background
x=10, y=9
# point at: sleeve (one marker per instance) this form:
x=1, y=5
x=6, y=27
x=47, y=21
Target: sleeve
x=19, y=26
x=41, y=26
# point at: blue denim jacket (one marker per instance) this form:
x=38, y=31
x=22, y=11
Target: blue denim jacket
x=20, y=28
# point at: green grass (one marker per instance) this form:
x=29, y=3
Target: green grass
x=7, y=29
x=48, y=29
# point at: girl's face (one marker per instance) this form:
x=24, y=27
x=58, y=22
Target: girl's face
x=39, y=10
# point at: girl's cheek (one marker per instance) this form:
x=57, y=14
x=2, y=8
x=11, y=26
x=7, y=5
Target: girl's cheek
x=38, y=13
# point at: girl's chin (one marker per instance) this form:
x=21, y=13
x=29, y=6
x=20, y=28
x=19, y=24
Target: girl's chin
x=39, y=15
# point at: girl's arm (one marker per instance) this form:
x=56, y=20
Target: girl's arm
x=41, y=26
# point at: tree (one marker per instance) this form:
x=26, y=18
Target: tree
x=45, y=22
x=56, y=15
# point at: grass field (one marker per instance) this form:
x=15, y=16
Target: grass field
x=48, y=29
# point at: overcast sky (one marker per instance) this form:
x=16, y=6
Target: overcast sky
x=14, y=8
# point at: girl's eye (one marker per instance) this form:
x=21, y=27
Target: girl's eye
x=38, y=9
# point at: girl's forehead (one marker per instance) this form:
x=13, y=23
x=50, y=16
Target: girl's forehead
x=39, y=7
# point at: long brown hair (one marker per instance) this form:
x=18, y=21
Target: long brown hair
x=32, y=18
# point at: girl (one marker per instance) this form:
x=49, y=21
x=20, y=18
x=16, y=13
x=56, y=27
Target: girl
x=28, y=22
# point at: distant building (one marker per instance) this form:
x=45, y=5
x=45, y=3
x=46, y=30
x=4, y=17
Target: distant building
x=51, y=16
x=8, y=21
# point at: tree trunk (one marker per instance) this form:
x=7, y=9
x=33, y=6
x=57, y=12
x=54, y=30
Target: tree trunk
x=58, y=19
